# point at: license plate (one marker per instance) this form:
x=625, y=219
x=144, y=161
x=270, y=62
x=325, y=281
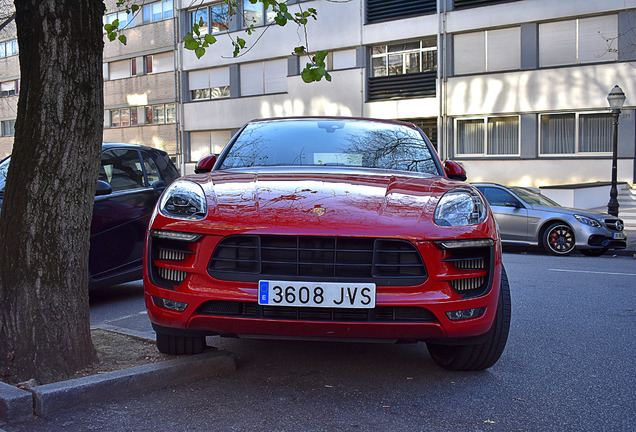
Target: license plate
x=316, y=294
x=619, y=236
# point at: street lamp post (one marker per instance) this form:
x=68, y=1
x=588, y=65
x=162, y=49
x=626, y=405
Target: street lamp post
x=616, y=99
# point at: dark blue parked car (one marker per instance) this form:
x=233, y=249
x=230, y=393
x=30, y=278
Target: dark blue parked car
x=131, y=178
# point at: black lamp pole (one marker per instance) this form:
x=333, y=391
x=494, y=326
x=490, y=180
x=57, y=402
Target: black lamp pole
x=616, y=98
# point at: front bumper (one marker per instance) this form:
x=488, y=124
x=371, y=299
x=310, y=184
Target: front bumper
x=458, y=278
x=599, y=238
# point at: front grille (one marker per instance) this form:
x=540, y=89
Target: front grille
x=382, y=261
x=254, y=310
x=614, y=224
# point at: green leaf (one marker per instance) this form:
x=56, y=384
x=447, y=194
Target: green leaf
x=307, y=76
x=320, y=56
x=280, y=20
x=108, y=28
x=210, y=39
x=199, y=52
x=134, y=8
x=192, y=44
x=112, y=36
x=115, y=24
x=299, y=50
x=122, y=39
x=195, y=29
x=241, y=42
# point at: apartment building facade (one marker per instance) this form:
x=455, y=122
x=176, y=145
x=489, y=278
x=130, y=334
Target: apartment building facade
x=9, y=87
x=515, y=90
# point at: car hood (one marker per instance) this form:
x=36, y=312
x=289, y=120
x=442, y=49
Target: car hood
x=573, y=211
x=311, y=200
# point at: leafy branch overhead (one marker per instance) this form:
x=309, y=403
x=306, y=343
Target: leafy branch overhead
x=198, y=40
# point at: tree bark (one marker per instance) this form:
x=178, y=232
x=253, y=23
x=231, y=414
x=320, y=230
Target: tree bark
x=48, y=202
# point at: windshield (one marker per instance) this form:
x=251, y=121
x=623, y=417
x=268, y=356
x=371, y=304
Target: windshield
x=331, y=142
x=533, y=198
x=4, y=166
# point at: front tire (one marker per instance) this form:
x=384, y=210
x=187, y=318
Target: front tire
x=479, y=356
x=178, y=345
x=559, y=239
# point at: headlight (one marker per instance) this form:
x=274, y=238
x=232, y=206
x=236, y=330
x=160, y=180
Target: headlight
x=184, y=200
x=460, y=207
x=588, y=221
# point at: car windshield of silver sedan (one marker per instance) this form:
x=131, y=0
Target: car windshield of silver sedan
x=331, y=142
x=534, y=198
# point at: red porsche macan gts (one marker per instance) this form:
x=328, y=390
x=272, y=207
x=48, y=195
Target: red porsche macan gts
x=328, y=228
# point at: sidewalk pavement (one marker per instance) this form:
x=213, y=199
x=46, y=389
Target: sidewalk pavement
x=17, y=405
x=631, y=244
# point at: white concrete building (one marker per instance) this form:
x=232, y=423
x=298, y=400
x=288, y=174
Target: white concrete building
x=514, y=90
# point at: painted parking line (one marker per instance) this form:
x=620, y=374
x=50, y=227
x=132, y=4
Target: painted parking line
x=593, y=272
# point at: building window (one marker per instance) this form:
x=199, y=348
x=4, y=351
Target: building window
x=404, y=70
x=209, y=84
x=574, y=133
x=157, y=11
x=256, y=14
x=9, y=48
x=8, y=128
x=489, y=136
x=211, y=19
x=158, y=63
x=404, y=58
x=263, y=77
x=125, y=19
x=487, y=51
x=206, y=143
x=160, y=114
x=120, y=69
x=123, y=117
x=584, y=40
x=9, y=88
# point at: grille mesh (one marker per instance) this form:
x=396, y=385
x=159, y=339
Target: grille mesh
x=472, y=266
x=378, y=314
x=383, y=261
x=172, y=275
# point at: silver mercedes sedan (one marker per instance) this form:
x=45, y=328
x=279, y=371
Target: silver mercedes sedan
x=526, y=217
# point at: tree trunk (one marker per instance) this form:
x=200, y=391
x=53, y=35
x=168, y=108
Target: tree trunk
x=48, y=203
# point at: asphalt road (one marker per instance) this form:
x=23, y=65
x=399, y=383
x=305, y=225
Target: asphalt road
x=568, y=366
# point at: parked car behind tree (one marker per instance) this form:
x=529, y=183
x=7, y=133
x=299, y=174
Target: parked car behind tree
x=131, y=178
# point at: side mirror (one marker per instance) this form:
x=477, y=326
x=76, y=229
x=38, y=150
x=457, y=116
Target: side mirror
x=205, y=165
x=159, y=186
x=454, y=170
x=103, y=188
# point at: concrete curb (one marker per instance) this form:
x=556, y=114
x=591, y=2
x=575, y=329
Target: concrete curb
x=19, y=405
x=16, y=405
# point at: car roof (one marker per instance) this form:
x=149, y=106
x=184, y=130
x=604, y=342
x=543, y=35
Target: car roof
x=334, y=118
x=108, y=145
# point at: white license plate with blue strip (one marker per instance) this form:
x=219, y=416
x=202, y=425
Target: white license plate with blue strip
x=316, y=294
